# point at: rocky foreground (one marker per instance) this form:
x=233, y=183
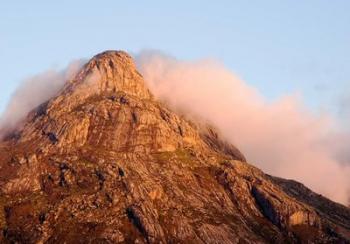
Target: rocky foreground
x=105, y=162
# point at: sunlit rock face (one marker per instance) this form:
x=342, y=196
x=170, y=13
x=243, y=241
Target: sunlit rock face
x=105, y=162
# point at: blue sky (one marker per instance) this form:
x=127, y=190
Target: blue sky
x=279, y=46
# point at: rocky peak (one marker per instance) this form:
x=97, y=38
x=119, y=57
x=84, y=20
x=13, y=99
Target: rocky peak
x=108, y=106
x=113, y=71
x=105, y=162
x=106, y=73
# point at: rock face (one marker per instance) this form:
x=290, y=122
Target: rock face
x=105, y=162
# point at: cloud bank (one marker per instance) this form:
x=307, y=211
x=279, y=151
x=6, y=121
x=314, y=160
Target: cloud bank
x=34, y=91
x=283, y=138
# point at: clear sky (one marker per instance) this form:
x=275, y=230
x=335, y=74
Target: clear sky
x=279, y=46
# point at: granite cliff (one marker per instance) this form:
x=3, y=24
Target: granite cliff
x=105, y=162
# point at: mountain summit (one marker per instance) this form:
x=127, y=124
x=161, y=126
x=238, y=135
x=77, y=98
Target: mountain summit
x=105, y=162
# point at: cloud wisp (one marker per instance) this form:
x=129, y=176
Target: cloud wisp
x=34, y=91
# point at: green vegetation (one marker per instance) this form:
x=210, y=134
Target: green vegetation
x=181, y=155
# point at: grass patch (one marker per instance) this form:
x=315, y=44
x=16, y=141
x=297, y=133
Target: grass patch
x=182, y=156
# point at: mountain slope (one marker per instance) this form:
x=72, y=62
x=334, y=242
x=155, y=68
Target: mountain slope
x=105, y=162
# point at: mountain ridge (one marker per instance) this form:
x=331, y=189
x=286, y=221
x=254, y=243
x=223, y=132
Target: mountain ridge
x=104, y=161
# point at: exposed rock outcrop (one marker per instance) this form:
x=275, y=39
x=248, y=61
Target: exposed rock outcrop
x=105, y=162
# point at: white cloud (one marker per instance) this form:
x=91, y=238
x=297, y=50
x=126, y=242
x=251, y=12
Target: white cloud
x=283, y=138
x=33, y=92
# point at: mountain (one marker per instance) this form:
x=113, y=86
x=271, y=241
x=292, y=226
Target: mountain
x=105, y=162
